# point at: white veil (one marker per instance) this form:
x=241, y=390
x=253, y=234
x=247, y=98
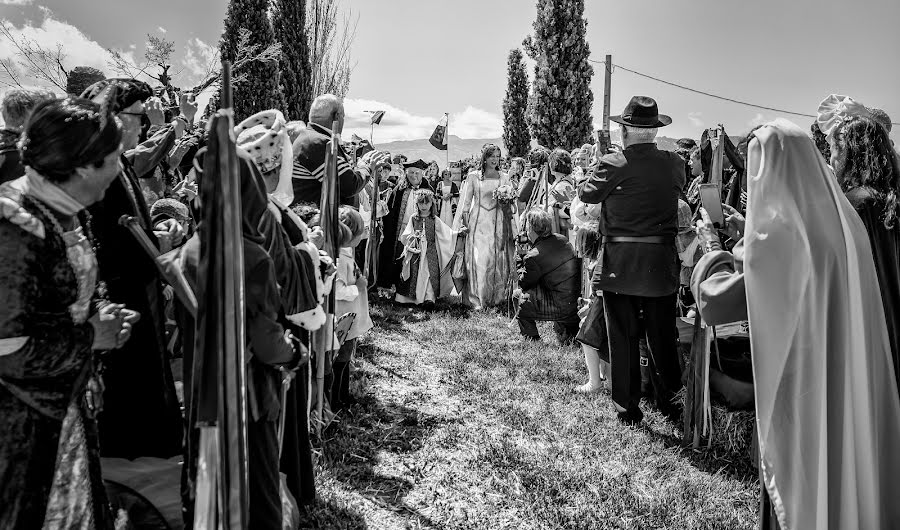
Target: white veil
x=826, y=400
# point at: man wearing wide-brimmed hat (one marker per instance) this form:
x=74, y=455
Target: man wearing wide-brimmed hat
x=638, y=270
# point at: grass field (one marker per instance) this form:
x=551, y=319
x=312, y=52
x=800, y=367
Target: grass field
x=460, y=424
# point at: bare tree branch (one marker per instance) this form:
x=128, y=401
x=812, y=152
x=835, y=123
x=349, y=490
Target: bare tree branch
x=36, y=61
x=330, y=46
x=10, y=69
x=246, y=54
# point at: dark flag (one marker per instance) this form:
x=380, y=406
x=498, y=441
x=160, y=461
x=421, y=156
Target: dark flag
x=220, y=360
x=439, y=136
x=376, y=118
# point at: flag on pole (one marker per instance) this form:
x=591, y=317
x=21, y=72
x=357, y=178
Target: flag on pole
x=439, y=136
x=376, y=117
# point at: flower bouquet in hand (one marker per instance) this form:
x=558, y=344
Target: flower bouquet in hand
x=505, y=195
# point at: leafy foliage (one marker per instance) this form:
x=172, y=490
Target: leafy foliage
x=247, y=26
x=82, y=77
x=289, y=23
x=515, y=105
x=559, y=107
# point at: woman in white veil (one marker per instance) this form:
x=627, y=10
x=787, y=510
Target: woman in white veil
x=828, y=415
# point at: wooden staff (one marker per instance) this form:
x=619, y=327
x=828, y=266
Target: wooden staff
x=328, y=216
x=370, y=260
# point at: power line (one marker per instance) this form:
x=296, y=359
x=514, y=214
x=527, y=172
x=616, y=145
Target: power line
x=701, y=92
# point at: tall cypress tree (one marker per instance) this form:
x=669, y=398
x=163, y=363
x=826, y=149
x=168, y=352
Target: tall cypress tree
x=559, y=108
x=289, y=22
x=515, y=105
x=257, y=86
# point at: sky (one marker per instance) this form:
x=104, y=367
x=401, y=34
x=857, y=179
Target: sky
x=418, y=59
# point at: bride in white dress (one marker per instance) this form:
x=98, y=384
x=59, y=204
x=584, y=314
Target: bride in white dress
x=490, y=245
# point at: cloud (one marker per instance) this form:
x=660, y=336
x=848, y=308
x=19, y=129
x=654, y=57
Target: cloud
x=399, y=124
x=759, y=119
x=198, y=56
x=79, y=49
x=16, y=2
x=162, y=29
x=694, y=118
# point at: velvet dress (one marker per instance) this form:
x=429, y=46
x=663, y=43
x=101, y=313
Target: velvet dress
x=49, y=449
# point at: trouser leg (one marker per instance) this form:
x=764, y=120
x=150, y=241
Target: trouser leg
x=662, y=335
x=264, y=481
x=527, y=324
x=622, y=328
x=566, y=331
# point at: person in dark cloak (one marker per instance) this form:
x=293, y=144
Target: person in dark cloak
x=141, y=415
x=868, y=170
x=401, y=207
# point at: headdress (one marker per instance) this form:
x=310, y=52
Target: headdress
x=265, y=137
x=835, y=110
x=418, y=164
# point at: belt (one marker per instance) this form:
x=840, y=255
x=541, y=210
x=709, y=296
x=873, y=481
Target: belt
x=653, y=240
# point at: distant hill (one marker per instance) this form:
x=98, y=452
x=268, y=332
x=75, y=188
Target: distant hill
x=461, y=148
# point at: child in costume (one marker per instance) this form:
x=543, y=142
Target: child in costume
x=351, y=296
x=428, y=245
x=449, y=192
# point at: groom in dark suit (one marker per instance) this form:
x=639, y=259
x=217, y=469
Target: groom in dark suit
x=638, y=266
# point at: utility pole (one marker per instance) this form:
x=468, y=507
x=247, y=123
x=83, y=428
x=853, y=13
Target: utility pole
x=606, y=88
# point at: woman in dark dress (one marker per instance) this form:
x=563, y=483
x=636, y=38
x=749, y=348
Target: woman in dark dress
x=867, y=169
x=49, y=325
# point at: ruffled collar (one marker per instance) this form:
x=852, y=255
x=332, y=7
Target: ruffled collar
x=34, y=185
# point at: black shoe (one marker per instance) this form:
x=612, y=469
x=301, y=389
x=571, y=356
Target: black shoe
x=631, y=417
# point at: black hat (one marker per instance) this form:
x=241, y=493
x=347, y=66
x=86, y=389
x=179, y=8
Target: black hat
x=128, y=92
x=642, y=112
x=421, y=164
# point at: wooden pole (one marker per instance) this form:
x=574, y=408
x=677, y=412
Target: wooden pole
x=447, y=138
x=607, y=85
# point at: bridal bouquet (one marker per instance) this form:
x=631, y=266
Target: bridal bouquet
x=505, y=194
x=506, y=197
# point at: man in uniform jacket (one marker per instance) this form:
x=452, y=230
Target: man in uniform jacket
x=309, y=156
x=550, y=278
x=638, y=269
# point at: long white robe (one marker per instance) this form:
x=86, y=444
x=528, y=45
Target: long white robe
x=445, y=241
x=827, y=409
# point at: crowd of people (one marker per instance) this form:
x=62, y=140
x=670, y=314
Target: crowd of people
x=610, y=246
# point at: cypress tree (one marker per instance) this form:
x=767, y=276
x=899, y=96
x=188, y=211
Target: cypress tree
x=515, y=127
x=289, y=22
x=256, y=88
x=559, y=107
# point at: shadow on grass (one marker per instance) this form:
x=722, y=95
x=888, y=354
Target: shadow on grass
x=354, y=446
x=728, y=464
x=331, y=515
